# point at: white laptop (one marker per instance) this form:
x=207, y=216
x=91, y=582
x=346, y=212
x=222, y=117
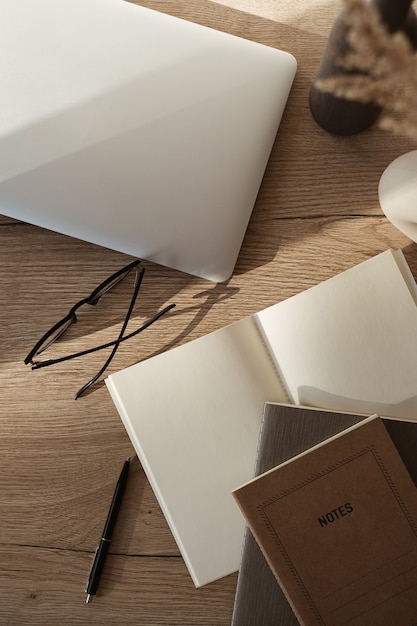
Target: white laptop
x=136, y=130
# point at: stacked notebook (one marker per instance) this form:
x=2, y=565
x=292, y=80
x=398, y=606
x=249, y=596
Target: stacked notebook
x=194, y=413
x=288, y=431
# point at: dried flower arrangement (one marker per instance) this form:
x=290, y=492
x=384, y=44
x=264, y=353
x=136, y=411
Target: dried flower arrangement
x=383, y=66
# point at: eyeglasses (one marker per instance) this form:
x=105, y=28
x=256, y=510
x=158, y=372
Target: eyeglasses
x=58, y=329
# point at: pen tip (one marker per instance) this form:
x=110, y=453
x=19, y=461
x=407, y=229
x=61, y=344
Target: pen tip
x=88, y=598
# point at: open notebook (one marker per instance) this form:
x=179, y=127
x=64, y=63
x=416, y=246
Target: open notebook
x=193, y=413
x=136, y=130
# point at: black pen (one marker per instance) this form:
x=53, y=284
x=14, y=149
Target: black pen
x=103, y=547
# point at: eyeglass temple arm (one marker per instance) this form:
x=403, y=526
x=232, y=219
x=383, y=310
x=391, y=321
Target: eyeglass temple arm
x=138, y=282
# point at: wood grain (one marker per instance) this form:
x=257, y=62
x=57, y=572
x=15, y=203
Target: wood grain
x=317, y=214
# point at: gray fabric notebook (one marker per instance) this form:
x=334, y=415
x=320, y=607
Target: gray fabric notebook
x=286, y=432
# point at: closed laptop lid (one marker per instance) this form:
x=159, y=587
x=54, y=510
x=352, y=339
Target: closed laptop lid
x=136, y=130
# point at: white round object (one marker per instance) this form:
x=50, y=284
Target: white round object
x=398, y=193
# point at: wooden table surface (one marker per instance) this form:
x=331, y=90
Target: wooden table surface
x=317, y=214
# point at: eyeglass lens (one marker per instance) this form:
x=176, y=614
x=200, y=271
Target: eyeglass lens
x=56, y=335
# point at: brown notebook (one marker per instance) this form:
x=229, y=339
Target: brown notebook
x=287, y=430
x=337, y=525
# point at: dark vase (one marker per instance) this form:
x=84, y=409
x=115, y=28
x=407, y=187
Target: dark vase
x=348, y=117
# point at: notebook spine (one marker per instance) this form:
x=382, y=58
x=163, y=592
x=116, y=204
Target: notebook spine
x=274, y=365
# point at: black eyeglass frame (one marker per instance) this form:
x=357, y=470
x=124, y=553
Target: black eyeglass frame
x=71, y=318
